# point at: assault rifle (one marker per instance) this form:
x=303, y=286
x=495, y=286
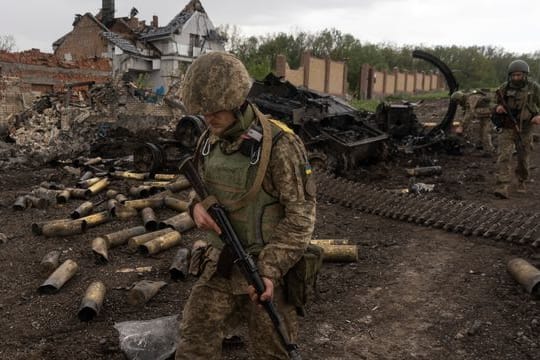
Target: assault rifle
x=511, y=117
x=243, y=259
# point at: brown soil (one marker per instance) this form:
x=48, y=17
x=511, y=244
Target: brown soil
x=415, y=293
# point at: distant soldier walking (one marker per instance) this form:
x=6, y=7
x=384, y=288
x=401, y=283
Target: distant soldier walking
x=517, y=110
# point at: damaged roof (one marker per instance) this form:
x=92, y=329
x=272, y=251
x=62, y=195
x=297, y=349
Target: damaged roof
x=122, y=43
x=177, y=22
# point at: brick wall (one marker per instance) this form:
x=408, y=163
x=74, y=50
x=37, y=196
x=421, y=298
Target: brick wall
x=83, y=42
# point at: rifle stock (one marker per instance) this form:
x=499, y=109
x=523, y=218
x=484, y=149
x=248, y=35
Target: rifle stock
x=243, y=259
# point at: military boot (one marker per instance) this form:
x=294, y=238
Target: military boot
x=521, y=188
x=501, y=192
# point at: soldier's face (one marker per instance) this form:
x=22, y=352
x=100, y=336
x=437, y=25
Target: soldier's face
x=219, y=122
x=517, y=76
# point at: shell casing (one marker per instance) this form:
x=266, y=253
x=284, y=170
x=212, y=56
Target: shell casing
x=85, y=184
x=87, y=175
x=63, y=228
x=37, y=228
x=179, y=185
x=149, y=219
x=100, y=248
x=123, y=212
x=330, y=241
x=141, y=191
x=21, y=203
x=84, y=209
x=339, y=253
x=121, y=198
x=80, y=193
x=59, y=277
x=140, y=204
x=180, y=265
x=92, y=301
x=130, y=175
x=121, y=237
x=111, y=206
x=134, y=242
x=36, y=202
x=96, y=219
x=156, y=184
x=99, y=186
x=50, y=261
x=525, y=274
x=176, y=204
x=93, y=161
x=181, y=222
x=165, y=177
x=160, y=243
x=49, y=195
x=63, y=196
x=143, y=291
x=52, y=185
x=111, y=194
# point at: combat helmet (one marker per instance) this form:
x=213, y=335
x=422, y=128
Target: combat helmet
x=458, y=96
x=518, y=66
x=215, y=81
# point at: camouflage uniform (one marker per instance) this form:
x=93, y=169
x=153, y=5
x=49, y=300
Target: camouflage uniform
x=524, y=103
x=216, y=301
x=476, y=106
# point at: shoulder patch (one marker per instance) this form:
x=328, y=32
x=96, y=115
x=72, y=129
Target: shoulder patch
x=282, y=126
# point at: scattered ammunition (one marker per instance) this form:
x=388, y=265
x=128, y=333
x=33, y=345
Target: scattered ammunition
x=514, y=236
x=73, y=171
x=176, y=204
x=140, y=204
x=525, y=274
x=339, y=253
x=92, y=301
x=21, y=203
x=100, y=248
x=424, y=171
x=165, y=177
x=149, y=219
x=160, y=243
x=441, y=210
x=482, y=227
x=181, y=222
x=96, y=219
x=135, y=241
x=143, y=291
x=180, y=184
x=140, y=191
x=121, y=237
x=59, y=277
x=85, y=184
x=36, y=202
x=84, y=209
x=124, y=212
x=518, y=219
x=462, y=225
x=49, y=195
x=527, y=237
x=80, y=193
x=156, y=184
x=130, y=175
x=197, y=257
x=99, y=186
x=499, y=223
x=111, y=206
x=93, y=161
x=37, y=228
x=52, y=185
x=121, y=198
x=87, y=175
x=111, y=194
x=457, y=216
x=50, y=262
x=180, y=264
x=453, y=211
x=63, y=228
x=63, y=196
x=330, y=242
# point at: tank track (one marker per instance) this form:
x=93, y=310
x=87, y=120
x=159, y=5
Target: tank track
x=462, y=217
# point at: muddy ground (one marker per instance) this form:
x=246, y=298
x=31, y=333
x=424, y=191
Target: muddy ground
x=415, y=293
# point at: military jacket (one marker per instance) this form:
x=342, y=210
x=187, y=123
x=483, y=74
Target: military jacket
x=524, y=103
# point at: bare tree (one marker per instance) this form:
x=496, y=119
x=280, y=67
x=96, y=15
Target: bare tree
x=7, y=43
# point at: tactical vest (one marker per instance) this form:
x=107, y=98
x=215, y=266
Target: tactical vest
x=521, y=102
x=229, y=177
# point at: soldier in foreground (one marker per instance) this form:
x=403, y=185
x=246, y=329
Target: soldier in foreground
x=517, y=110
x=258, y=170
x=477, y=106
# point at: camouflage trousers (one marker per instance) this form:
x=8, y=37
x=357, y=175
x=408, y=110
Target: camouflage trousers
x=213, y=308
x=483, y=136
x=507, y=144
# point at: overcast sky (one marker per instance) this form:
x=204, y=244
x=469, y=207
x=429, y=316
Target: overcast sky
x=512, y=25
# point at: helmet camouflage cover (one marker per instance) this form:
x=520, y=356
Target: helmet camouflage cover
x=214, y=82
x=518, y=66
x=458, y=96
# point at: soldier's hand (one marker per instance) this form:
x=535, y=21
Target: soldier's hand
x=203, y=220
x=536, y=120
x=500, y=109
x=267, y=295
